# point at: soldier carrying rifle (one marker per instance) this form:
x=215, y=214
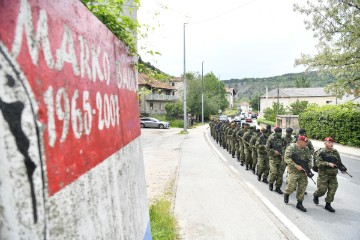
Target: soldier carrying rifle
x=328, y=162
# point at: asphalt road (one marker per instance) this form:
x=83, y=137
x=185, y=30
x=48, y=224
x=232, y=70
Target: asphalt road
x=316, y=223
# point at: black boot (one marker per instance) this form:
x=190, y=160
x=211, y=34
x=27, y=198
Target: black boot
x=300, y=206
x=247, y=167
x=286, y=198
x=271, y=186
x=242, y=163
x=233, y=156
x=316, y=200
x=259, y=178
x=278, y=190
x=265, y=180
x=329, y=208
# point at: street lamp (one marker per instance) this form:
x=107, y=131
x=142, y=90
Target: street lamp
x=185, y=113
x=202, y=95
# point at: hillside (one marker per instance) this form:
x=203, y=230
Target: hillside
x=248, y=88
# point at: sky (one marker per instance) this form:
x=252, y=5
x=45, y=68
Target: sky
x=234, y=39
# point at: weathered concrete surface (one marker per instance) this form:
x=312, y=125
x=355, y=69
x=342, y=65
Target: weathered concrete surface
x=70, y=149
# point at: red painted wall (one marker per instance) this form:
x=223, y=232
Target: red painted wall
x=83, y=80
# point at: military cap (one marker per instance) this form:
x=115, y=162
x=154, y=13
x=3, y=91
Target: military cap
x=289, y=129
x=302, y=131
x=302, y=138
x=262, y=129
x=329, y=139
x=278, y=129
x=268, y=127
x=258, y=130
x=252, y=127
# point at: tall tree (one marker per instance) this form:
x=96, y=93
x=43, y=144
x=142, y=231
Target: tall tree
x=336, y=24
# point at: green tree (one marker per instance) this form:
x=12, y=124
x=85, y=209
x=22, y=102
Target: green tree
x=298, y=107
x=270, y=113
x=336, y=24
x=302, y=83
x=254, y=103
x=174, y=110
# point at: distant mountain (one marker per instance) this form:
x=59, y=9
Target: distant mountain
x=248, y=88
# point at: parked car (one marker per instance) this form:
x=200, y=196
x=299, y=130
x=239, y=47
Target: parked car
x=242, y=116
x=248, y=119
x=153, y=123
x=254, y=115
x=223, y=118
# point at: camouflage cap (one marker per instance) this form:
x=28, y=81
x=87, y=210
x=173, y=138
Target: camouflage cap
x=289, y=129
x=302, y=131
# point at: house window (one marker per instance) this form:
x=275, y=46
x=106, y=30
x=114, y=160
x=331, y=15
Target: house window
x=173, y=84
x=328, y=102
x=167, y=92
x=151, y=106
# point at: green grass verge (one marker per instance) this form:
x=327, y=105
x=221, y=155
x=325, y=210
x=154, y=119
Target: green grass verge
x=263, y=120
x=163, y=223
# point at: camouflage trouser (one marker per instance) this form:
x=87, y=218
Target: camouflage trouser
x=237, y=150
x=254, y=158
x=277, y=168
x=242, y=153
x=263, y=165
x=297, y=180
x=327, y=183
x=223, y=143
x=218, y=137
x=248, y=158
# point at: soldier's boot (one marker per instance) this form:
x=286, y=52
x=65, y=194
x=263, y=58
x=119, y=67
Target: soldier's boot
x=300, y=206
x=233, y=156
x=271, y=186
x=242, y=163
x=329, y=208
x=259, y=178
x=247, y=167
x=265, y=180
x=316, y=200
x=278, y=190
x=286, y=198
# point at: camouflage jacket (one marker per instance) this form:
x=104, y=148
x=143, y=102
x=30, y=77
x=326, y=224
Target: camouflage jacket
x=261, y=144
x=253, y=140
x=275, y=143
x=323, y=165
x=246, y=138
x=303, y=153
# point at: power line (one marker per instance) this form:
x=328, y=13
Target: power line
x=221, y=14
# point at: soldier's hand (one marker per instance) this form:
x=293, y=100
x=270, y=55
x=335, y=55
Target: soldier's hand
x=332, y=165
x=298, y=167
x=276, y=152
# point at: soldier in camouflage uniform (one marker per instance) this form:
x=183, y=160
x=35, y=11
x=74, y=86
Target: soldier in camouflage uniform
x=263, y=158
x=302, y=132
x=275, y=145
x=297, y=175
x=326, y=180
x=223, y=134
x=230, y=142
x=247, y=148
x=236, y=138
x=241, y=144
x=254, y=155
x=218, y=130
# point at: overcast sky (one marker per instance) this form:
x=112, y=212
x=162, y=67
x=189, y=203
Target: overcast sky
x=234, y=38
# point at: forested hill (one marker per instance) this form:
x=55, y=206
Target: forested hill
x=248, y=88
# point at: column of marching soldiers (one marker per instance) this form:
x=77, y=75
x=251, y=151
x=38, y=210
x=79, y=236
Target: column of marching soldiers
x=262, y=151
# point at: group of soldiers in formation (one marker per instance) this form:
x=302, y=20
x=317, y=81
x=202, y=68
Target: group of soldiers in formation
x=267, y=154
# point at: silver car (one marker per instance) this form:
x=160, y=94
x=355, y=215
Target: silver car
x=153, y=123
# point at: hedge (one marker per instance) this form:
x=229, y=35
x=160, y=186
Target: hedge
x=341, y=122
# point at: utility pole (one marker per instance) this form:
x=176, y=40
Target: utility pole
x=202, y=95
x=185, y=113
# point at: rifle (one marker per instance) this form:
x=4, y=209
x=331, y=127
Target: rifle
x=304, y=164
x=276, y=147
x=334, y=160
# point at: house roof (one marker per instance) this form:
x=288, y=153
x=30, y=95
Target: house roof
x=145, y=80
x=297, y=92
x=244, y=104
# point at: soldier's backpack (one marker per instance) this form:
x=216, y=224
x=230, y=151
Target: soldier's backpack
x=316, y=154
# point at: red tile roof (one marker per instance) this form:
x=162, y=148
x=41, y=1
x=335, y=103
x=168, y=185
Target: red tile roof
x=145, y=80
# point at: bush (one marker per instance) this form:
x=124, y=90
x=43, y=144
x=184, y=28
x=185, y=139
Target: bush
x=263, y=120
x=341, y=122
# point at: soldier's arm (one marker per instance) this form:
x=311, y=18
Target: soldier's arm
x=311, y=147
x=320, y=161
x=287, y=157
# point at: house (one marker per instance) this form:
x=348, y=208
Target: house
x=178, y=83
x=153, y=95
x=245, y=107
x=230, y=93
x=288, y=96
